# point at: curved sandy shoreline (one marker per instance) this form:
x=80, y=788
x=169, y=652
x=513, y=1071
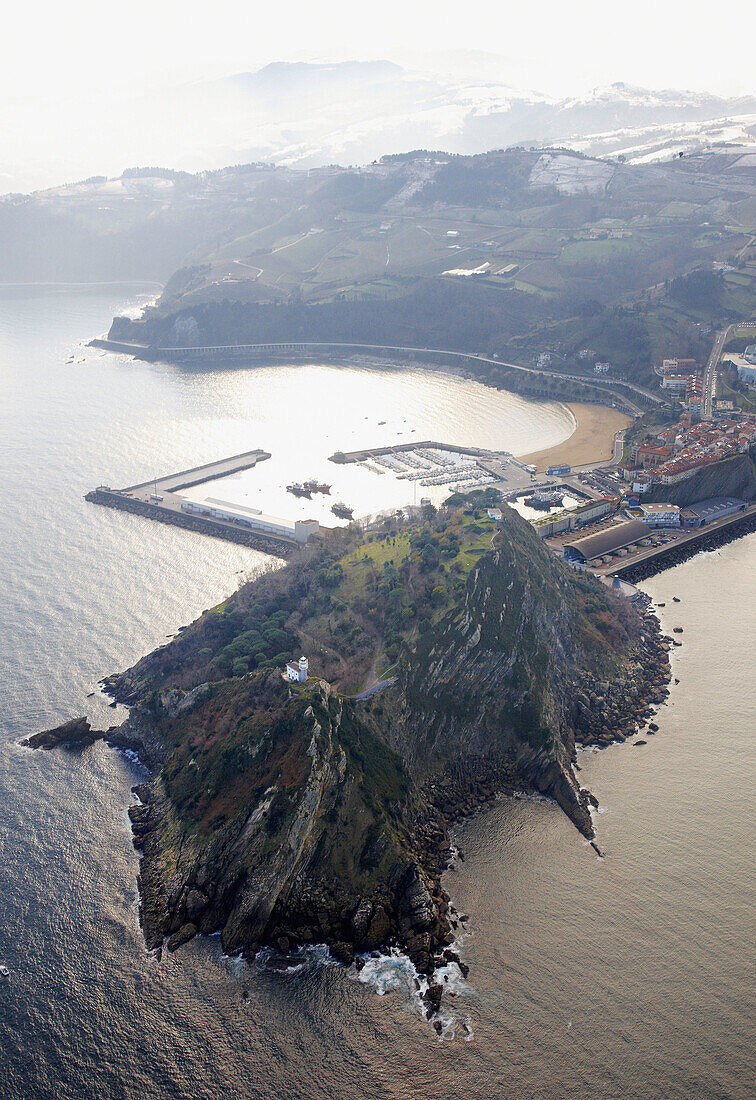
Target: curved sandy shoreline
x=592, y=439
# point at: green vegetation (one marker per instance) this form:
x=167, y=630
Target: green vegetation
x=347, y=256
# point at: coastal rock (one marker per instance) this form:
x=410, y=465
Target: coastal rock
x=187, y=932
x=343, y=952
x=432, y=998
x=76, y=732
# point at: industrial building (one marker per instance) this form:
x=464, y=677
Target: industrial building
x=696, y=515
x=571, y=518
x=615, y=537
x=299, y=530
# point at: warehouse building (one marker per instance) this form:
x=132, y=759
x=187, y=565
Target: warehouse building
x=291, y=530
x=615, y=537
x=696, y=515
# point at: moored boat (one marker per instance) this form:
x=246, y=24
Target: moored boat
x=315, y=486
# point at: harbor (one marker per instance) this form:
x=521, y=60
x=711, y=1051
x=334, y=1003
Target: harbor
x=439, y=468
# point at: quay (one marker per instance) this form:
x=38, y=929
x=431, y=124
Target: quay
x=162, y=499
x=631, y=550
x=198, y=475
x=649, y=561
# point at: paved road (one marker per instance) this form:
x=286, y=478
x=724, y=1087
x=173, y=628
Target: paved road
x=679, y=540
x=619, y=389
x=710, y=374
x=374, y=690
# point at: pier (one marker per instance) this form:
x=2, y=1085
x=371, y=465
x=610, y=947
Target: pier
x=198, y=475
x=161, y=499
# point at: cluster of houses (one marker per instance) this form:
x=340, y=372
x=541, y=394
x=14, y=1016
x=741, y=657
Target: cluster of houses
x=678, y=451
x=681, y=379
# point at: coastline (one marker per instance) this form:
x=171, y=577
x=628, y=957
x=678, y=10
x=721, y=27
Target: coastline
x=592, y=439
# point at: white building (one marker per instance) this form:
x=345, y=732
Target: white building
x=297, y=672
x=299, y=530
x=660, y=515
x=677, y=383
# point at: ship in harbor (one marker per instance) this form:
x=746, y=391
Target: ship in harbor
x=315, y=486
x=343, y=511
x=298, y=490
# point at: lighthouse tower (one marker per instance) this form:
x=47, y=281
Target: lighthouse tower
x=303, y=673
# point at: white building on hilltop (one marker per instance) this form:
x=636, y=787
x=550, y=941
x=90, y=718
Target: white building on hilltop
x=297, y=672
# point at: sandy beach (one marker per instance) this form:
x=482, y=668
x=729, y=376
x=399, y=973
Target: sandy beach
x=591, y=441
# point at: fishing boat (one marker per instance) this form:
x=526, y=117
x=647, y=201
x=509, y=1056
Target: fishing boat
x=298, y=490
x=315, y=486
x=5, y=971
x=343, y=511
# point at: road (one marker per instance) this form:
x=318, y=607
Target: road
x=619, y=389
x=678, y=539
x=711, y=374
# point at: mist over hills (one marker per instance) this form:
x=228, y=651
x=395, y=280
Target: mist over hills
x=307, y=115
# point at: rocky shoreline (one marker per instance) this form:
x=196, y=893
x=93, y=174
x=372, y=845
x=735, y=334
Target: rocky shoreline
x=420, y=920
x=606, y=712
x=288, y=815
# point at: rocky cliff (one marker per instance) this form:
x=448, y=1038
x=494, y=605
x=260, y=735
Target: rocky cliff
x=734, y=477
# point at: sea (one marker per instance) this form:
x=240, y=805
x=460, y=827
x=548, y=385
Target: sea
x=629, y=976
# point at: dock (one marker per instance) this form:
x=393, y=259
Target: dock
x=161, y=499
x=198, y=475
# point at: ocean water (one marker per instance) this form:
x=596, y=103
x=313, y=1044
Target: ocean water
x=626, y=977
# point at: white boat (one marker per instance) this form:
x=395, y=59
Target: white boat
x=5, y=971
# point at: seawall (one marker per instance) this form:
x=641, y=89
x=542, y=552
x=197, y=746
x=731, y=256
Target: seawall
x=674, y=554
x=198, y=524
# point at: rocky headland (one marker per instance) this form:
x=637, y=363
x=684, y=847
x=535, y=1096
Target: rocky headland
x=286, y=814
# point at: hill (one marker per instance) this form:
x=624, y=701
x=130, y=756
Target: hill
x=293, y=813
x=513, y=253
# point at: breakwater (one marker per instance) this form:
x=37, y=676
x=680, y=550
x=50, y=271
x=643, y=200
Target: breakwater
x=674, y=554
x=199, y=524
x=400, y=448
x=198, y=475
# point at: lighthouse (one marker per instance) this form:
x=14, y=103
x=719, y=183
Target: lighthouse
x=297, y=672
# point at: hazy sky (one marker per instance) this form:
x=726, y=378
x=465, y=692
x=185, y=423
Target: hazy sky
x=57, y=50
x=78, y=80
